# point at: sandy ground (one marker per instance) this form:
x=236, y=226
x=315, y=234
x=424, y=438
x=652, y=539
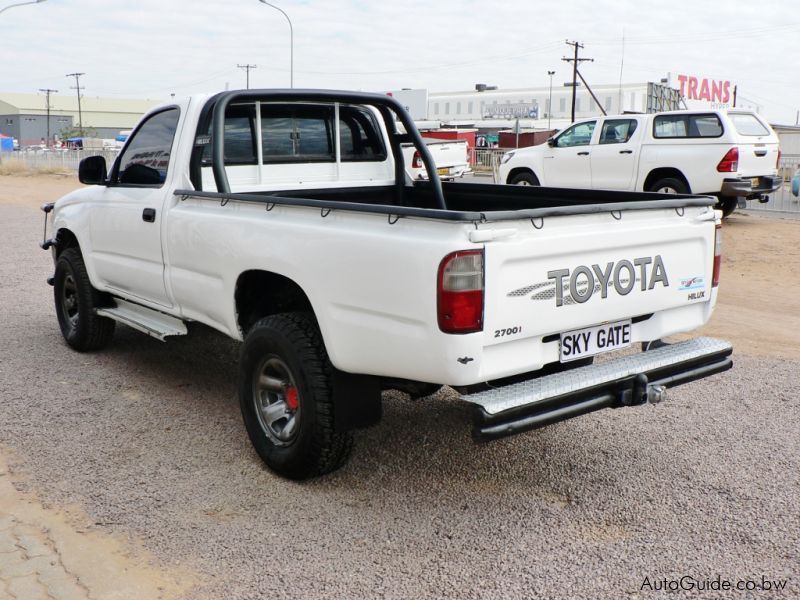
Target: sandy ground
x=701, y=488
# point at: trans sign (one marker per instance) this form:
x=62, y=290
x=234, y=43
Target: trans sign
x=702, y=92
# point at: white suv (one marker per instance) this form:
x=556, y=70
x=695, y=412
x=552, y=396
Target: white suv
x=731, y=155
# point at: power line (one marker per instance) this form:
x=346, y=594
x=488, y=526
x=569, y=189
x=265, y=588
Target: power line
x=47, y=92
x=575, y=61
x=247, y=68
x=77, y=87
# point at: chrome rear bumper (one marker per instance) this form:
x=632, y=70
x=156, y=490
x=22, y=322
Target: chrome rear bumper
x=626, y=381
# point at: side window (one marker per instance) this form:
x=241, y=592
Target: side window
x=617, y=131
x=145, y=160
x=687, y=126
x=297, y=133
x=359, y=135
x=577, y=135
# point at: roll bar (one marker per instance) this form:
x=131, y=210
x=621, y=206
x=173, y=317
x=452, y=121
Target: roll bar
x=385, y=104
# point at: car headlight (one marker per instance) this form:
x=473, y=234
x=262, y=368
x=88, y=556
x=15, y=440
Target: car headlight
x=506, y=157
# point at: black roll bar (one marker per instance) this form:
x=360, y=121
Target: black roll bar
x=380, y=101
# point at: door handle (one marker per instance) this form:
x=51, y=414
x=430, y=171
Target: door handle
x=583, y=154
x=626, y=151
x=149, y=215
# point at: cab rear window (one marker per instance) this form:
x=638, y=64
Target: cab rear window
x=687, y=126
x=747, y=124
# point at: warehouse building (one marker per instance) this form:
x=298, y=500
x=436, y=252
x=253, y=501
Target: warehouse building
x=25, y=116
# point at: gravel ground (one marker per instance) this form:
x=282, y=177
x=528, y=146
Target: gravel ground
x=147, y=439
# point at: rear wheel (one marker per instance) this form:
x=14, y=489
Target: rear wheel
x=286, y=397
x=526, y=178
x=669, y=185
x=76, y=301
x=728, y=205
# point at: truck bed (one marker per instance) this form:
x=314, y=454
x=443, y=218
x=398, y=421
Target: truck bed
x=465, y=201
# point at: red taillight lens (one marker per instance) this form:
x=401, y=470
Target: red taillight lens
x=778, y=162
x=416, y=162
x=717, y=255
x=460, y=292
x=729, y=162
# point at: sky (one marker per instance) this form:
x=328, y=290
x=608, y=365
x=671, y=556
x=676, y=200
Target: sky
x=154, y=48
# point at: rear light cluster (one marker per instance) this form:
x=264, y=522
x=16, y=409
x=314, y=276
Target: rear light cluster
x=729, y=162
x=717, y=255
x=459, y=290
x=416, y=162
x=778, y=162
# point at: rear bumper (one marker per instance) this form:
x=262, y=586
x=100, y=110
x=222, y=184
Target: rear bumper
x=743, y=186
x=626, y=381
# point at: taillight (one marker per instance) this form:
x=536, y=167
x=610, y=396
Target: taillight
x=729, y=162
x=778, y=162
x=459, y=291
x=717, y=255
x=416, y=162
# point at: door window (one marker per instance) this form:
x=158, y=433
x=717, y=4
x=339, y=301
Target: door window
x=617, y=131
x=145, y=159
x=577, y=135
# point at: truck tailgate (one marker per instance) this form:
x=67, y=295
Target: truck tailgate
x=561, y=274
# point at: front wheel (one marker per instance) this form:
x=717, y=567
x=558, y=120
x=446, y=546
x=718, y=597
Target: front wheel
x=525, y=178
x=76, y=301
x=669, y=185
x=286, y=397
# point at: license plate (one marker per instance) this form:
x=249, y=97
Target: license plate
x=590, y=341
x=754, y=182
x=443, y=171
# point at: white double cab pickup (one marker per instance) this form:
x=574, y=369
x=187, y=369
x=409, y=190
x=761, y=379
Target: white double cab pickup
x=731, y=155
x=285, y=219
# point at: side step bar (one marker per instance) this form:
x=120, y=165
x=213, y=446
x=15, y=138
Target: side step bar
x=627, y=381
x=153, y=323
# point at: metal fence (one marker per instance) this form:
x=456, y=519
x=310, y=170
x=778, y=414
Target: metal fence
x=53, y=160
x=782, y=200
x=486, y=160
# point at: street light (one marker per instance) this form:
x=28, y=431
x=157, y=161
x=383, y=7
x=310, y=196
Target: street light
x=291, y=41
x=550, y=108
x=5, y=8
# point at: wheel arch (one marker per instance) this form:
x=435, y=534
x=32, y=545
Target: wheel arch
x=662, y=173
x=259, y=293
x=518, y=171
x=65, y=238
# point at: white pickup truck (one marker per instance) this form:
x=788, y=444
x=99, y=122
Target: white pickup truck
x=285, y=219
x=731, y=155
x=450, y=157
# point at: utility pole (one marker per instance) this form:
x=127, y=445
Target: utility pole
x=47, y=92
x=247, y=68
x=575, y=60
x=77, y=77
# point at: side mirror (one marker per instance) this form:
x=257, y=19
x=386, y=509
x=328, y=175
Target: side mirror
x=92, y=171
x=551, y=141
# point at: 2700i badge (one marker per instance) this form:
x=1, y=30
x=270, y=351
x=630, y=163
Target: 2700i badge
x=590, y=341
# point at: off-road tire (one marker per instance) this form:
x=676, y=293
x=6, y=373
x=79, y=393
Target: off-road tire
x=76, y=301
x=295, y=341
